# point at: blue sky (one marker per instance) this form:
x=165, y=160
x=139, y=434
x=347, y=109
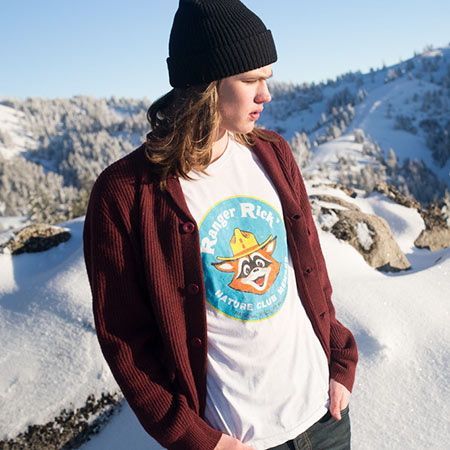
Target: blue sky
x=60, y=48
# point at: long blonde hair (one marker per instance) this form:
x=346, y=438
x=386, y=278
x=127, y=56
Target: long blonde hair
x=184, y=125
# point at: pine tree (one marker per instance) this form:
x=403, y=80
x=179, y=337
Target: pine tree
x=301, y=148
x=359, y=135
x=392, y=160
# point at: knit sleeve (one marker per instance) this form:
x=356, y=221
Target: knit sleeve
x=126, y=328
x=343, y=348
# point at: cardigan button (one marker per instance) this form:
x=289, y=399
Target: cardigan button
x=308, y=270
x=188, y=227
x=296, y=216
x=193, y=289
x=196, y=342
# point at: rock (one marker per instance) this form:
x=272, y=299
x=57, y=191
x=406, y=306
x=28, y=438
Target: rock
x=372, y=237
x=336, y=201
x=70, y=429
x=349, y=191
x=395, y=195
x=433, y=217
x=436, y=238
x=367, y=233
x=436, y=235
x=35, y=238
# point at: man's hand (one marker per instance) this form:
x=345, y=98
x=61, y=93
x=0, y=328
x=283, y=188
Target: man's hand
x=339, y=398
x=230, y=443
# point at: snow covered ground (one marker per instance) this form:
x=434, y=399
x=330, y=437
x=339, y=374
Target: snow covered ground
x=51, y=359
x=376, y=114
x=401, y=400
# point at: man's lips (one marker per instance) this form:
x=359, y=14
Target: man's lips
x=255, y=114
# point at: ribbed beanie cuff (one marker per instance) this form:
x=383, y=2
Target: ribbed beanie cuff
x=214, y=39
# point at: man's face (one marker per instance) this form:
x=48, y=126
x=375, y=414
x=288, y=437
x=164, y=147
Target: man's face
x=241, y=99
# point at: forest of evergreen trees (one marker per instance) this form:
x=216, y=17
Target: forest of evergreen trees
x=78, y=137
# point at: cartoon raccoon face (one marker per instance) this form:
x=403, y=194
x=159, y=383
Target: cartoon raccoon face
x=253, y=273
x=254, y=270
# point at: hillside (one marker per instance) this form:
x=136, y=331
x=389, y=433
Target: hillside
x=403, y=110
x=391, y=124
x=51, y=151
x=52, y=361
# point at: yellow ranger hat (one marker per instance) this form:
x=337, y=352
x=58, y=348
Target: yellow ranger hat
x=242, y=244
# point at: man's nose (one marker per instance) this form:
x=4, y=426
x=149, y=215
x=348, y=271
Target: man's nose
x=264, y=94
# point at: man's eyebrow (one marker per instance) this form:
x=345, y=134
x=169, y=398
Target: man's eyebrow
x=259, y=77
x=264, y=77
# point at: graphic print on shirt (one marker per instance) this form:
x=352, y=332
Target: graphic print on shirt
x=252, y=265
x=244, y=256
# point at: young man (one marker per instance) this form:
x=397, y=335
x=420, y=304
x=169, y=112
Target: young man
x=211, y=296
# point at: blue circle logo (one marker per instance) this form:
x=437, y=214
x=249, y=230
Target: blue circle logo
x=244, y=255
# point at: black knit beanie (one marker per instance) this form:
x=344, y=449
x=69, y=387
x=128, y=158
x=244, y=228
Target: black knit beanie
x=213, y=39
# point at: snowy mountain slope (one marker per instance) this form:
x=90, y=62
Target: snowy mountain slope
x=385, y=103
x=73, y=140
x=376, y=116
x=123, y=432
x=14, y=139
x=401, y=325
x=327, y=155
x=50, y=356
x=401, y=398
x=301, y=107
x=77, y=137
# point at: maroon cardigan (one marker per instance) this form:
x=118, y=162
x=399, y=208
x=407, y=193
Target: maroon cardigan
x=143, y=260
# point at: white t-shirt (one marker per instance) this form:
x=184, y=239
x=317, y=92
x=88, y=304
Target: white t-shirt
x=268, y=375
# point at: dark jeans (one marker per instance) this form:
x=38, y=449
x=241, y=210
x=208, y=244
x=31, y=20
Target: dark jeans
x=326, y=434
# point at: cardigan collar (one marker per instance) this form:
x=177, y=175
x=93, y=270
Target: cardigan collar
x=270, y=158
